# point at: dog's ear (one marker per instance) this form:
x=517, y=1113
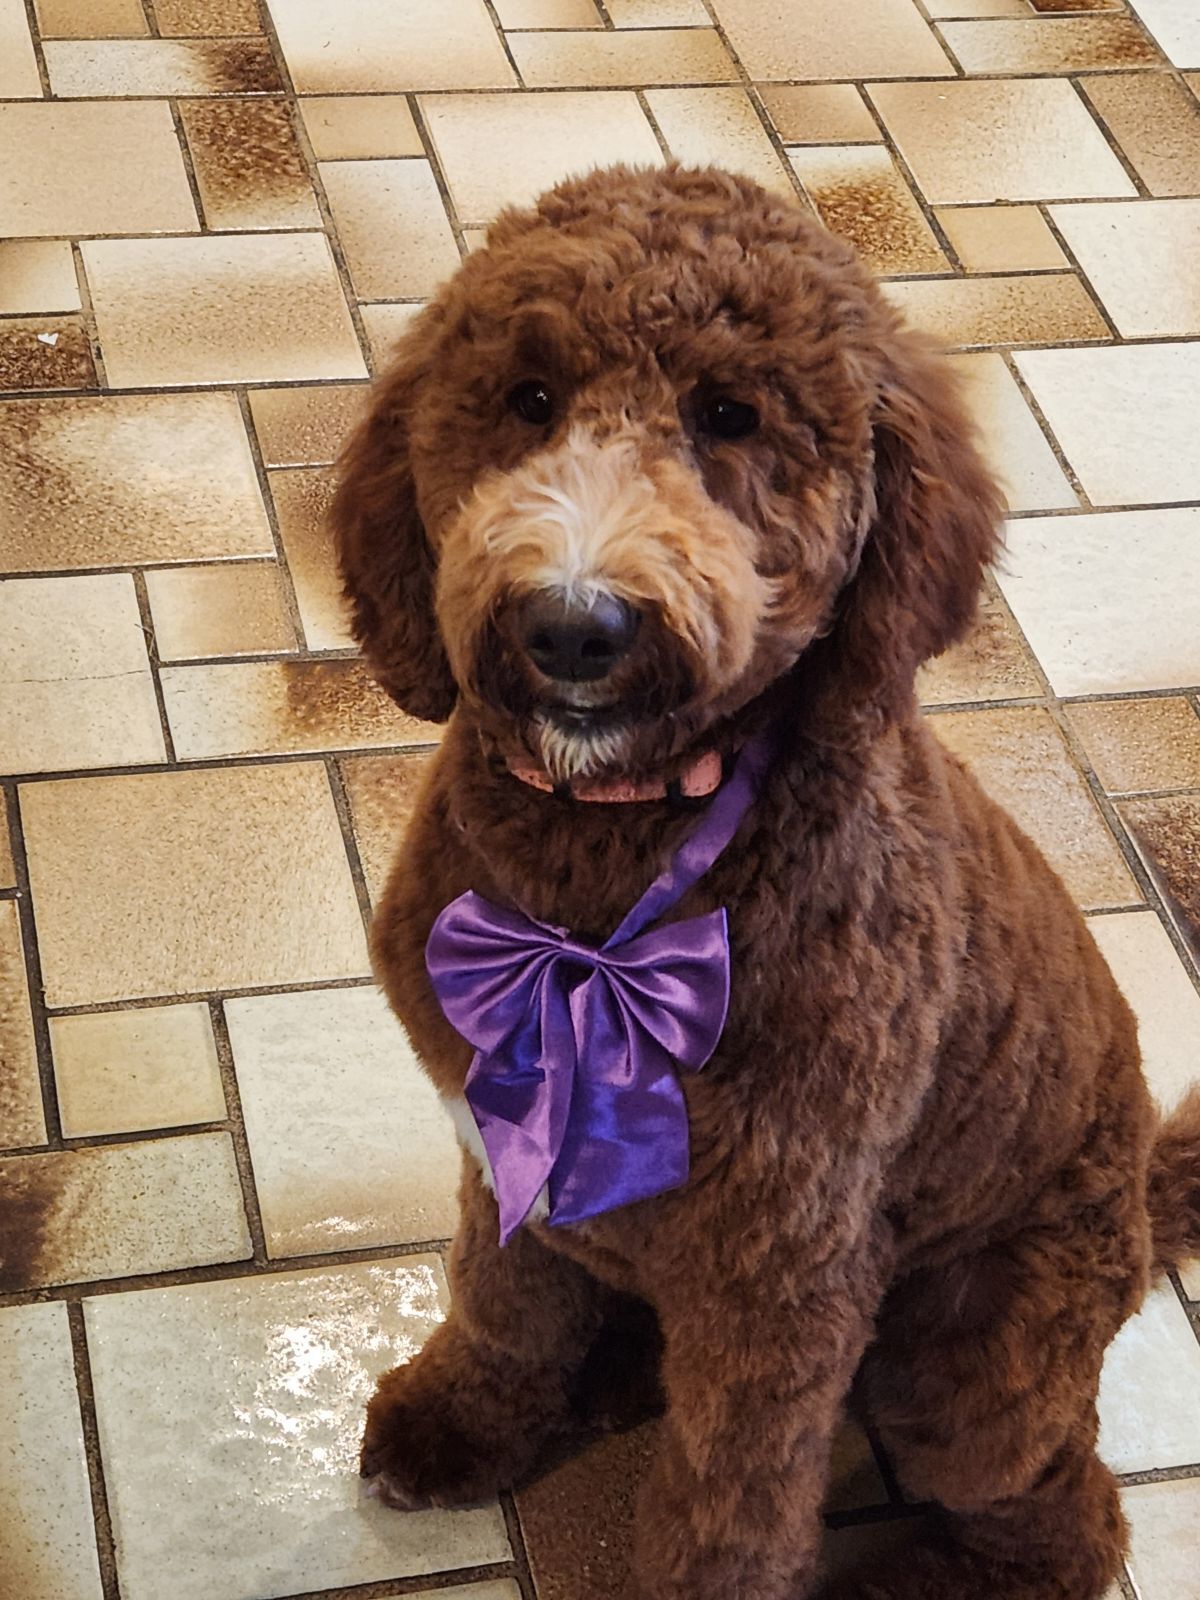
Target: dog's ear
x=388, y=568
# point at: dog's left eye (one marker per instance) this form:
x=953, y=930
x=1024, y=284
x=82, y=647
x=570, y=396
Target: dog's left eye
x=532, y=401
x=727, y=418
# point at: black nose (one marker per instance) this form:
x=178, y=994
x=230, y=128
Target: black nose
x=574, y=641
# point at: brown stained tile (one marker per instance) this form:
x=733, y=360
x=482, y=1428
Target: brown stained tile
x=302, y=498
x=18, y=65
x=345, y=128
x=45, y=353
x=1008, y=433
x=126, y=479
x=632, y=58
x=79, y=169
x=861, y=195
x=37, y=276
x=718, y=127
x=1157, y=124
x=1020, y=758
x=826, y=39
x=21, y=1118
x=178, y=883
x=820, y=113
x=549, y=14
x=385, y=325
x=383, y=48
x=257, y=708
x=229, y=610
x=248, y=165
x=80, y=67
x=991, y=663
x=1050, y=6
x=1051, y=45
x=658, y=13
x=260, y=308
x=305, y=427
x=1141, y=259
x=965, y=312
x=392, y=225
x=1002, y=238
x=1167, y=835
x=1176, y=26
x=126, y=1071
x=972, y=142
x=206, y=18
x=1139, y=746
x=91, y=19
x=382, y=791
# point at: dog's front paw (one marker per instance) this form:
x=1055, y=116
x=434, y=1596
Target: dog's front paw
x=414, y=1452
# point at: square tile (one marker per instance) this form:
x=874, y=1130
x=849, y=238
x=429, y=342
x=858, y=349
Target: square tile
x=184, y=18
x=121, y=1210
x=1141, y=261
x=232, y=610
x=549, y=14
x=350, y=1142
x=1012, y=442
x=1167, y=835
x=632, y=58
x=127, y=479
x=969, y=143
x=302, y=499
x=308, y=426
x=385, y=325
x=75, y=682
x=393, y=227
x=220, y=309
x=1051, y=45
x=91, y=67
x=1176, y=26
x=125, y=1071
x=860, y=194
x=658, y=13
x=37, y=276
x=1140, y=746
x=203, y=1389
x=1109, y=602
x=1050, y=308
x=824, y=39
x=991, y=663
x=343, y=127
x=21, y=1118
x=1020, y=758
x=820, y=113
x=1150, y=1390
x=381, y=791
x=1002, y=238
x=248, y=165
x=718, y=127
x=1157, y=124
x=179, y=883
x=47, y=1542
x=18, y=65
x=1123, y=417
x=501, y=150
x=91, y=19
x=45, y=353
x=1162, y=1521
x=365, y=46
x=1166, y=1005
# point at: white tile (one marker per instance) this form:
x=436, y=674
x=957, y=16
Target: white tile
x=1012, y=442
x=1163, y=997
x=1150, y=1390
x=1163, y=1519
x=1176, y=26
x=1141, y=260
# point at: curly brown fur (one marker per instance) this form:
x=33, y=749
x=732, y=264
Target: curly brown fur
x=1174, y=1191
x=919, y=1156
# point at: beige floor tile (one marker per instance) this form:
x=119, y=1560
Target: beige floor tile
x=549, y=14
x=37, y=276
x=861, y=195
x=1021, y=760
x=248, y=165
x=981, y=8
x=38, y=354
x=1051, y=45
x=1010, y=437
x=87, y=67
x=1163, y=1518
x=121, y=1210
x=1167, y=1007
x=658, y=13
x=221, y=309
x=8, y=872
x=382, y=791
x=302, y=498
x=215, y=18
x=349, y=127
x=501, y=150
x=1002, y=238
x=1150, y=1390
x=184, y=882
x=235, y=1409
x=308, y=426
x=385, y=325
x=350, y=1143
x=1176, y=26
x=75, y=682
x=1167, y=835
x=1049, y=308
x=231, y=610
x=1157, y=124
x=257, y=708
x=969, y=143
x=991, y=663
x=91, y=19
x=367, y=46
x=721, y=128
x=1141, y=260
x=19, y=78
x=125, y=1071
x=127, y=479
x=78, y=169
x=393, y=227
x=632, y=58
x=21, y=1118
x=1098, y=619
x=47, y=1542
x=1140, y=746
x=820, y=113
x=825, y=39
x=1189, y=1277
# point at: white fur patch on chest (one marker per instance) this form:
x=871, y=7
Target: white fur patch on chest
x=468, y=1136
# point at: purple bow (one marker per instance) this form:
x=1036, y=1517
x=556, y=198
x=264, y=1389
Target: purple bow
x=573, y=1085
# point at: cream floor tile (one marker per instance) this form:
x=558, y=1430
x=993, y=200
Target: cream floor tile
x=1163, y=1518
x=79, y=169
x=184, y=882
x=382, y=791
x=861, y=195
x=1165, y=1002
x=75, y=682
x=217, y=18
x=127, y=479
x=658, y=13
x=1002, y=238
x=1099, y=620
x=229, y=1418
x=385, y=326
x=718, y=127
x=18, y=65
x=1123, y=417
x=819, y=113
x=1157, y=124
x=1141, y=260
x=302, y=498
x=256, y=708
x=350, y=1143
x=1189, y=1277
x=502, y=150
x=1166, y=833
x=1150, y=1390
x=8, y=872
x=632, y=58
x=221, y=309
x=91, y=19
x=121, y=1210
x=1140, y=746
x=825, y=39
x=969, y=143
x=392, y=225
x=367, y=46
x=88, y=67
x=125, y=1071
x=991, y=663
x=549, y=14
x=305, y=426
x=1051, y=45
x=248, y=165
x=37, y=276
x=979, y=8
x=45, y=353
x=1176, y=26
x=1049, y=308
x=47, y=1543
x=21, y=1119
x=346, y=127
x=1020, y=758
x=1012, y=441
x=231, y=610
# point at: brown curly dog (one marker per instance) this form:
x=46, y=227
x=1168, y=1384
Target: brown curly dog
x=658, y=468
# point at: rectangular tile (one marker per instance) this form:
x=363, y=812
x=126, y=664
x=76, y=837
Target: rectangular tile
x=1012, y=442
x=299, y=427
x=980, y=8
x=231, y=610
x=1051, y=308
x=37, y=276
x=385, y=325
x=861, y=194
x=1176, y=26
x=658, y=13
x=87, y=67
x=8, y=872
x=1150, y=1390
x=991, y=663
x=346, y=127
x=190, y=18
x=819, y=113
x=381, y=791
x=1141, y=260
x=248, y=165
x=372, y=46
x=1051, y=45
x=1001, y=238
x=91, y=19
x=718, y=127
x=21, y=1118
x=825, y=39
x=634, y=58
x=1167, y=1007
x=549, y=14
x=45, y=353
x=1140, y=746
x=1162, y=1524
x=1167, y=835
x=302, y=499
x=392, y=226
x=1157, y=124
x=18, y=65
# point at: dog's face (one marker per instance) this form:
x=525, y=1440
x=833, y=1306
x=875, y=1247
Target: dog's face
x=628, y=468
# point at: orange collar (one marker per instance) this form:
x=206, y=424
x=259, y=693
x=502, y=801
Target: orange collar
x=700, y=778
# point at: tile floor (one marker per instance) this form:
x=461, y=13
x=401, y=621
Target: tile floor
x=225, y=1185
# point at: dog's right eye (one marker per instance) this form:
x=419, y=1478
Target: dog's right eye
x=532, y=402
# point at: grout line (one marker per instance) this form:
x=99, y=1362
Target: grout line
x=341, y=804
x=35, y=38
x=266, y=758
x=33, y=970
x=502, y=36
x=85, y=1391
x=237, y=1128
x=189, y=165
x=263, y=474
x=188, y=997
x=441, y=179
x=151, y=642
x=1060, y=455
x=151, y=18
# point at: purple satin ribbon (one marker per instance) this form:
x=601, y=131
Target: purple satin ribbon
x=573, y=1086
